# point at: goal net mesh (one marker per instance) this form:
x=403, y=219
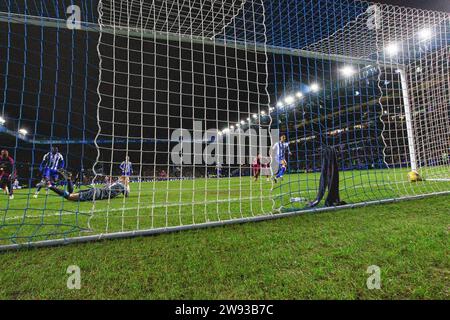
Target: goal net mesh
x=213, y=112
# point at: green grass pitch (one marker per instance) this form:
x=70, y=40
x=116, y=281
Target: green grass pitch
x=310, y=256
x=163, y=204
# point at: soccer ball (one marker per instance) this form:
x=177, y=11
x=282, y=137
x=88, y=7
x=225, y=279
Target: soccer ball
x=414, y=176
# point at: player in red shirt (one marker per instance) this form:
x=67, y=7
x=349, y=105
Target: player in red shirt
x=163, y=175
x=6, y=173
x=256, y=166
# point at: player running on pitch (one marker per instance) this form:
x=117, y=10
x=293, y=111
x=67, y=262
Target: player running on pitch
x=51, y=163
x=6, y=173
x=279, y=153
x=256, y=167
x=93, y=194
x=126, y=167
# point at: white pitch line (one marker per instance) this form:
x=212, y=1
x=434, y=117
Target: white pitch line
x=163, y=205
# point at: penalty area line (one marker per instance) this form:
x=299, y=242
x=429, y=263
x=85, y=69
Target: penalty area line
x=162, y=205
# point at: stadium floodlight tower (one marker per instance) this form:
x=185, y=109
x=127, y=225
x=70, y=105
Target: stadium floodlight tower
x=176, y=87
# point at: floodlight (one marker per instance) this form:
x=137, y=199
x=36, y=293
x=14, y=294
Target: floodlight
x=392, y=49
x=289, y=99
x=314, y=87
x=425, y=34
x=347, y=71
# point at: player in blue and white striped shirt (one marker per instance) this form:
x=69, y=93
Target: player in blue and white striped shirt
x=279, y=153
x=126, y=167
x=51, y=163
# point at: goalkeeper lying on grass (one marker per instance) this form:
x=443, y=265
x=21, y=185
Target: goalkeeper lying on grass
x=93, y=194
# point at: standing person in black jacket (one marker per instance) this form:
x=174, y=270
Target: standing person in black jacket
x=329, y=179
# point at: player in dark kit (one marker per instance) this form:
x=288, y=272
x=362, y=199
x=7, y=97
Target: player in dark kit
x=256, y=166
x=6, y=173
x=93, y=194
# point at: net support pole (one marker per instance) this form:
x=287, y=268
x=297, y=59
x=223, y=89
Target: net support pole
x=408, y=118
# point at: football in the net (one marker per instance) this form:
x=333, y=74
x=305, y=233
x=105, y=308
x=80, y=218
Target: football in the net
x=414, y=176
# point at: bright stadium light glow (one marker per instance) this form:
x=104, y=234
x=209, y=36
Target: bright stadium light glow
x=23, y=132
x=392, y=49
x=314, y=87
x=289, y=99
x=299, y=95
x=263, y=113
x=231, y=127
x=225, y=130
x=2, y=121
x=271, y=108
x=255, y=116
x=425, y=34
x=347, y=71
x=248, y=119
x=280, y=104
x=242, y=122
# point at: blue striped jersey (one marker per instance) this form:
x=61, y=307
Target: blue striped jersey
x=126, y=167
x=280, y=149
x=53, y=161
